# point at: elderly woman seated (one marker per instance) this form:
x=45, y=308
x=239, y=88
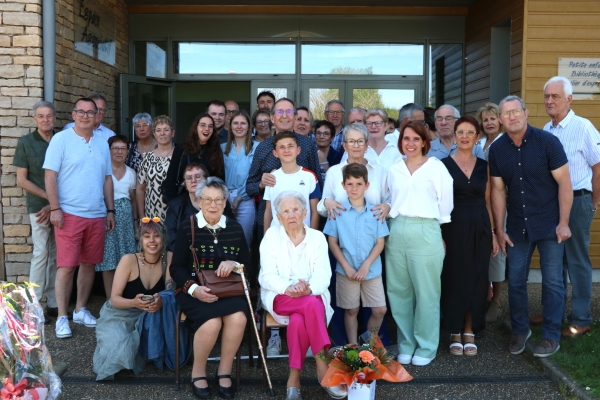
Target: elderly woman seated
x=294, y=278
x=138, y=290
x=219, y=244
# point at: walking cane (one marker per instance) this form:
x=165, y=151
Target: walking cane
x=260, y=348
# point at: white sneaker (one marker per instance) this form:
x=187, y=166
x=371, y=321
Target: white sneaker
x=404, y=358
x=421, y=361
x=63, y=330
x=274, y=346
x=84, y=317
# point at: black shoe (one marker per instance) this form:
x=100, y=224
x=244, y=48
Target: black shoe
x=201, y=393
x=225, y=392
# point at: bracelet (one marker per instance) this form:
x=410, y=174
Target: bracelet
x=493, y=231
x=56, y=209
x=110, y=211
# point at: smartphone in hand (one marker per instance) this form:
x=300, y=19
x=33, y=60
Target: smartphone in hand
x=147, y=297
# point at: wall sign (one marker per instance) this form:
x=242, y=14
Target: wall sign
x=584, y=74
x=95, y=31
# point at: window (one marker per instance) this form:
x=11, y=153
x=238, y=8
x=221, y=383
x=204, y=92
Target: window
x=234, y=58
x=151, y=59
x=362, y=59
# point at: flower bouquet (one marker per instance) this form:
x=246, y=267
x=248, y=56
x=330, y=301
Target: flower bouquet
x=359, y=367
x=26, y=370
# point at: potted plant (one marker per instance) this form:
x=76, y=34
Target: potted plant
x=360, y=366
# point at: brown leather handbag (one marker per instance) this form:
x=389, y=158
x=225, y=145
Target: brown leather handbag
x=222, y=287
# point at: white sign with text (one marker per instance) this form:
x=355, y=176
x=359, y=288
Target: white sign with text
x=584, y=74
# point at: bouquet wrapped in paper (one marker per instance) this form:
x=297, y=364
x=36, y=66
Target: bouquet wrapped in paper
x=26, y=370
x=363, y=364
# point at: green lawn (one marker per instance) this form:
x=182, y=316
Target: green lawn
x=580, y=357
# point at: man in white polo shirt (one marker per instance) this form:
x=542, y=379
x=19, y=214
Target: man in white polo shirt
x=80, y=192
x=581, y=142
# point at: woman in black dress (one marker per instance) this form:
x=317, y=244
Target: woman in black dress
x=469, y=240
x=219, y=245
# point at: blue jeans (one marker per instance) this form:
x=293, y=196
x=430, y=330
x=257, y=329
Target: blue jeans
x=577, y=264
x=553, y=291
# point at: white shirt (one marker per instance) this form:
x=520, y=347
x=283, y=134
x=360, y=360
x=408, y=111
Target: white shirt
x=304, y=182
x=581, y=141
x=385, y=159
x=281, y=261
x=481, y=143
x=427, y=193
x=393, y=137
x=123, y=186
x=376, y=194
x=102, y=131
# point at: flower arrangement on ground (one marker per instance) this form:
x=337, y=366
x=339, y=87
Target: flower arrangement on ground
x=26, y=370
x=363, y=364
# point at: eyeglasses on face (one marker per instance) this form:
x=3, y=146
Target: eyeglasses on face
x=466, y=133
x=324, y=133
x=208, y=201
x=102, y=110
x=265, y=122
x=141, y=126
x=289, y=113
x=145, y=220
x=191, y=178
x=448, y=118
x=356, y=143
x=206, y=126
x=81, y=113
x=516, y=112
x=334, y=112
x=119, y=149
x=378, y=124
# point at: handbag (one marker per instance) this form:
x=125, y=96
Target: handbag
x=222, y=287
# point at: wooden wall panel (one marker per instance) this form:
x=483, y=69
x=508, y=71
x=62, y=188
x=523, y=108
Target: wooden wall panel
x=483, y=15
x=453, y=71
x=558, y=29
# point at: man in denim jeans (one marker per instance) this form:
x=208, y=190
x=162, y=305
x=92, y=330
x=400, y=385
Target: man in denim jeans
x=531, y=165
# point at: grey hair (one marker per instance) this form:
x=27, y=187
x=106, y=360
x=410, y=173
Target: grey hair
x=408, y=110
x=567, y=85
x=355, y=127
x=142, y=117
x=98, y=96
x=289, y=194
x=454, y=110
x=44, y=104
x=512, y=98
x=212, y=182
x=377, y=111
x=335, y=101
x=357, y=109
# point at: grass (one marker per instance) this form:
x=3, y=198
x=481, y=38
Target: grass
x=580, y=357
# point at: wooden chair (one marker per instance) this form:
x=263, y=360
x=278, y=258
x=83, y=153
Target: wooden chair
x=267, y=321
x=181, y=317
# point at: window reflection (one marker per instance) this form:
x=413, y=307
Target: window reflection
x=391, y=100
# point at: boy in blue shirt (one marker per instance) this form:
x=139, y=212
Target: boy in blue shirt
x=356, y=239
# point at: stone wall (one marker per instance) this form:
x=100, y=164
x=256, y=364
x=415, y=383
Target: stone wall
x=21, y=85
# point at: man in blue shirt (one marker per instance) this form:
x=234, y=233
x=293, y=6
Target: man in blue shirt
x=532, y=166
x=445, y=145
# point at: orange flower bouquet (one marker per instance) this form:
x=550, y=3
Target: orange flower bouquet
x=359, y=366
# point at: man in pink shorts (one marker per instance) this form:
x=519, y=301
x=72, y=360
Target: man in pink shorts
x=80, y=191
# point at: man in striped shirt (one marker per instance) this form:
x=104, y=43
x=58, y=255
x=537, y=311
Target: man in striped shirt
x=581, y=142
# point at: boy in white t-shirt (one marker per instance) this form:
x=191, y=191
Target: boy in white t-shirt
x=291, y=176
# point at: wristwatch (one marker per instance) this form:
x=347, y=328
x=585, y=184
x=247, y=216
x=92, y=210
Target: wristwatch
x=110, y=211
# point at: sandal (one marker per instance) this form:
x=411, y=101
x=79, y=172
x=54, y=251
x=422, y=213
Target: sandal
x=470, y=348
x=456, y=347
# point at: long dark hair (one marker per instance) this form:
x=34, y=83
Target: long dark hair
x=212, y=147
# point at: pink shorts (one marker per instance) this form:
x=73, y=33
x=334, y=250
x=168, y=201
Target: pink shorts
x=80, y=240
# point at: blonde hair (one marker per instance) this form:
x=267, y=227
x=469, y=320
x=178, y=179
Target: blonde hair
x=163, y=119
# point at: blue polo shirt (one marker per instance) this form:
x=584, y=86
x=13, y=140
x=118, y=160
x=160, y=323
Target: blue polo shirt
x=357, y=234
x=532, y=203
x=439, y=151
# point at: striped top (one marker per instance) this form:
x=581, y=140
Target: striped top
x=581, y=142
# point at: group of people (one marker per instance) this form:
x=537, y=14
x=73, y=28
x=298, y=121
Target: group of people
x=417, y=220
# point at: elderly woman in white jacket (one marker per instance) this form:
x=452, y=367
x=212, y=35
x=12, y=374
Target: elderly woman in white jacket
x=294, y=279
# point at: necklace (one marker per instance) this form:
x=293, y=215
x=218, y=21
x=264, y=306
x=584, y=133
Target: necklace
x=214, y=233
x=144, y=261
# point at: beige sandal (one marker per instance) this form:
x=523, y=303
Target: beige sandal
x=456, y=347
x=470, y=348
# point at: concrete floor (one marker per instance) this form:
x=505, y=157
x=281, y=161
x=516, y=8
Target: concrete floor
x=493, y=374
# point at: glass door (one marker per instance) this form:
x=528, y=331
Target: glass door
x=142, y=94
x=390, y=96
x=280, y=88
x=316, y=94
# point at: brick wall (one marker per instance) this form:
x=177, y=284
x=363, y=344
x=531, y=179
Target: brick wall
x=21, y=85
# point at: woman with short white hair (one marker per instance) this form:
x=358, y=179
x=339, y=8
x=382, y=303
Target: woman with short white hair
x=294, y=279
